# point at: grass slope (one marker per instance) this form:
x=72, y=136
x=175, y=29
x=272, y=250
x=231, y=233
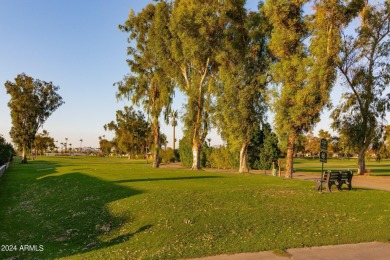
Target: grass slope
x=111, y=208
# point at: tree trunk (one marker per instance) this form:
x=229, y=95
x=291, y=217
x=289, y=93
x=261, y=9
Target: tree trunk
x=174, y=138
x=196, y=156
x=361, y=162
x=290, y=156
x=24, y=155
x=156, y=142
x=244, y=158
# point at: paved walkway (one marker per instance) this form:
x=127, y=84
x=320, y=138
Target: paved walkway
x=362, y=251
x=361, y=181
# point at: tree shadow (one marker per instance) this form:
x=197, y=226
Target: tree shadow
x=67, y=214
x=167, y=179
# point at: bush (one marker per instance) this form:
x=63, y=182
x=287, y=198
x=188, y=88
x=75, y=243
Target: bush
x=185, y=153
x=223, y=158
x=167, y=156
x=263, y=149
x=6, y=151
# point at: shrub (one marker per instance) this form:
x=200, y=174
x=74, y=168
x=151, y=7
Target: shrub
x=223, y=158
x=185, y=153
x=167, y=156
x=6, y=151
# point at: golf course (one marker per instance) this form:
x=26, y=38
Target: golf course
x=115, y=208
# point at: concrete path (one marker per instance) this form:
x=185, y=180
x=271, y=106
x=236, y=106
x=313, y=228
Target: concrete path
x=361, y=181
x=362, y=251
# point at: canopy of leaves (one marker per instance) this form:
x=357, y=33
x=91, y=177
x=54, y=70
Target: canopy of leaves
x=32, y=102
x=365, y=67
x=43, y=142
x=244, y=61
x=132, y=131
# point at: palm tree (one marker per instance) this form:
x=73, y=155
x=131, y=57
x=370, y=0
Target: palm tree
x=70, y=149
x=66, y=143
x=81, y=145
x=174, y=115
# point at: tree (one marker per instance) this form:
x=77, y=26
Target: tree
x=364, y=65
x=148, y=82
x=243, y=75
x=312, y=144
x=304, y=75
x=32, y=102
x=196, y=29
x=174, y=116
x=104, y=145
x=43, y=142
x=132, y=131
x=81, y=145
x=269, y=151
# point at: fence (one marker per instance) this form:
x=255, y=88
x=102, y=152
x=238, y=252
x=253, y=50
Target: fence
x=3, y=168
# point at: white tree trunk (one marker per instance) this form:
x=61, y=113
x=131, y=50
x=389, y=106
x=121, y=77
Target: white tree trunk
x=195, y=157
x=244, y=158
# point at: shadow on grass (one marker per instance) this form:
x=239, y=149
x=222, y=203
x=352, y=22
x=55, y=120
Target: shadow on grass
x=67, y=214
x=167, y=179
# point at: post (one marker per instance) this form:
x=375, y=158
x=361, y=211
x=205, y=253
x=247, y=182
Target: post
x=322, y=175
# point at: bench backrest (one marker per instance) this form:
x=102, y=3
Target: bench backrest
x=331, y=176
x=336, y=175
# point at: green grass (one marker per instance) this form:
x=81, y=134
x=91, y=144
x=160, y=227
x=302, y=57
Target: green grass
x=90, y=208
x=381, y=168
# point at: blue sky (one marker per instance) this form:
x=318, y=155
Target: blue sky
x=77, y=45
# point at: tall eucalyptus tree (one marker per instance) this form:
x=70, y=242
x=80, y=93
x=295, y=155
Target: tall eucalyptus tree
x=304, y=74
x=365, y=68
x=148, y=83
x=32, y=102
x=244, y=61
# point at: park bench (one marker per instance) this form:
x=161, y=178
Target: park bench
x=337, y=178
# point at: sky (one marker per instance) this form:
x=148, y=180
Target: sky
x=77, y=45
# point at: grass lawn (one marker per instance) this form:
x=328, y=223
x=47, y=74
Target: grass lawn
x=381, y=168
x=111, y=208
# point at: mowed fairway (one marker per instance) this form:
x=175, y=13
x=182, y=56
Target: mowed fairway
x=110, y=208
x=377, y=168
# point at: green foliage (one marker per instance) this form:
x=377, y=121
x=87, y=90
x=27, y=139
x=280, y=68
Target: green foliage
x=6, y=151
x=132, y=131
x=185, y=151
x=364, y=65
x=105, y=146
x=263, y=149
x=148, y=82
x=243, y=64
x=43, y=142
x=196, y=29
x=224, y=158
x=269, y=152
x=304, y=74
x=167, y=156
x=32, y=102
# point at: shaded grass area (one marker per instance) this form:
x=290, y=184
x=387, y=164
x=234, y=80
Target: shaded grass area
x=111, y=208
x=381, y=168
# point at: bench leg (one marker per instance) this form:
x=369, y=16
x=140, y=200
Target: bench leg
x=318, y=185
x=328, y=186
